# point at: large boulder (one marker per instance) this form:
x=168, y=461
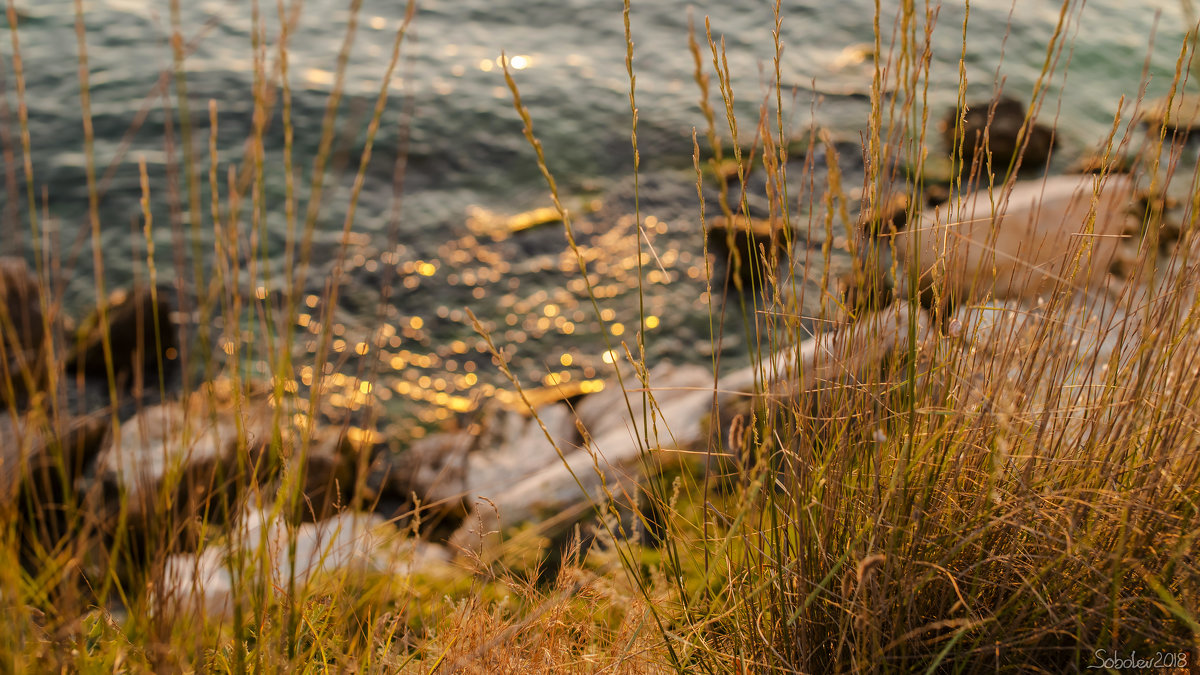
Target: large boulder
x=624, y=432
x=182, y=467
x=1021, y=241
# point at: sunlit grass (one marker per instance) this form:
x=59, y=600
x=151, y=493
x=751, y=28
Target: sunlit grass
x=926, y=491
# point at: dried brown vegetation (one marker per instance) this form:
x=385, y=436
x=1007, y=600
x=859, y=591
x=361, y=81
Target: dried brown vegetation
x=1001, y=478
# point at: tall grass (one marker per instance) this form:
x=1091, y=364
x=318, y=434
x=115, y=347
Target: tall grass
x=989, y=497
x=982, y=504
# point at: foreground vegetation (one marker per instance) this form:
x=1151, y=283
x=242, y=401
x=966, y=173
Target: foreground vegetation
x=966, y=505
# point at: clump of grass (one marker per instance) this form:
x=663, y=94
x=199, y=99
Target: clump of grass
x=981, y=504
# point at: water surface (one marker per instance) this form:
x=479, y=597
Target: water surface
x=451, y=110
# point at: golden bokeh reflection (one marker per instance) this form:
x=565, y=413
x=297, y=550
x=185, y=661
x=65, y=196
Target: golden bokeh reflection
x=558, y=315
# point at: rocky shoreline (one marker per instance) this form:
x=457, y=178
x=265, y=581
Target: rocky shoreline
x=106, y=463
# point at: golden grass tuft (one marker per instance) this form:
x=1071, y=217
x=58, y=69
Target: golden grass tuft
x=988, y=499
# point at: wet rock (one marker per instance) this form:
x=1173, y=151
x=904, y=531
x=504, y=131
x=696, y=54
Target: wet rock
x=1095, y=163
x=727, y=170
x=22, y=330
x=141, y=334
x=536, y=398
x=485, y=223
x=750, y=247
x=995, y=127
x=330, y=469
x=888, y=216
x=1041, y=233
x=854, y=55
x=42, y=462
x=447, y=471
x=1179, y=113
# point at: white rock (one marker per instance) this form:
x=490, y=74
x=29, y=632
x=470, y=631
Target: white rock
x=346, y=543
x=183, y=443
x=1020, y=242
x=610, y=461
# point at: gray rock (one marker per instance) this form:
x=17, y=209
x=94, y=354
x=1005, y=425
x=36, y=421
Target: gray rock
x=447, y=471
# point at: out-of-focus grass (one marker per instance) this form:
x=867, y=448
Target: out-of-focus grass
x=885, y=523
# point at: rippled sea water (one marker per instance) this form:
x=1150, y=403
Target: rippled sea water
x=468, y=164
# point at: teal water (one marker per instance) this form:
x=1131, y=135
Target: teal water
x=449, y=101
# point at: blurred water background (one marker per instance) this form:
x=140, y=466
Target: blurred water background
x=467, y=158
